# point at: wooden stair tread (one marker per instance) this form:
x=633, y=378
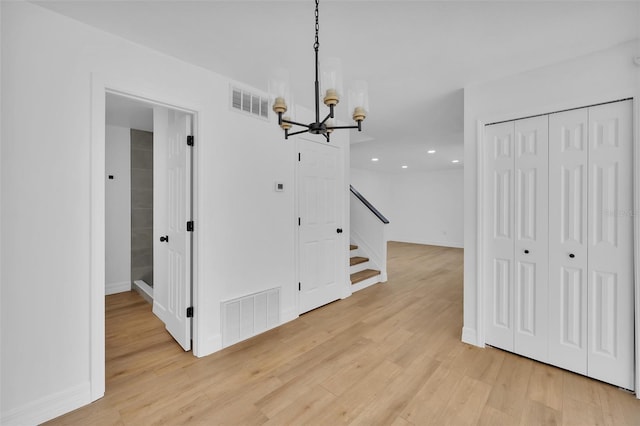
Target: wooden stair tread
x=356, y=260
x=353, y=247
x=363, y=275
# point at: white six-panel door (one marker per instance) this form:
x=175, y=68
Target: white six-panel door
x=568, y=152
x=531, y=237
x=499, y=143
x=320, y=201
x=610, y=245
x=171, y=211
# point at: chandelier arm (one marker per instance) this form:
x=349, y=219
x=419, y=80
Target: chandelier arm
x=359, y=127
x=326, y=118
x=297, y=133
x=327, y=137
x=295, y=123
x=343, y=127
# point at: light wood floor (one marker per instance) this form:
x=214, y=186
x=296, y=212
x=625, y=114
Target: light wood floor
x=389, y=355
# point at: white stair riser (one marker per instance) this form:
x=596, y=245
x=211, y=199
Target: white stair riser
x=360, y=267
x=365, y=283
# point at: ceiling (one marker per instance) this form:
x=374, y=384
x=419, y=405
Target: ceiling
x=416, y=56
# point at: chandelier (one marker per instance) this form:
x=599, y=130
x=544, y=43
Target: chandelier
x=331, y=88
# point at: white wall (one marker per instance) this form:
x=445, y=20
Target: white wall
x=376, y=188
x=422, y=207
x=428, y=207
x=118, y=210
x=49, y=64
x=599, y=77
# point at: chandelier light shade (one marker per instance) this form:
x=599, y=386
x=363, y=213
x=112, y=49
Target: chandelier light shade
x=328, y=87
x=331, y=80
x=359, y=100
x=279, y=90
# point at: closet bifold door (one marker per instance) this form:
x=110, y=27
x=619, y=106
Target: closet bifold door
x=610, y=245
x=568, y=155
x=499, y=258
x=531, y=255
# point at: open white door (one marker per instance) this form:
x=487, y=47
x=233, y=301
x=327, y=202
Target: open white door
x=320, y=203
x=171, y=211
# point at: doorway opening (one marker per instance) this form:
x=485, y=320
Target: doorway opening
x=129, y=196
x=148, y=208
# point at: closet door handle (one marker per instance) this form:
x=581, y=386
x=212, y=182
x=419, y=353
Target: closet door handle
x=526, y=252
x=164, y=239
x=571, y=255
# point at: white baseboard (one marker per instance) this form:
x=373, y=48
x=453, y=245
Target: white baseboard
x=48, y=407
x=429, y=242
x=209, y=345
x=288, y=315
x=470, y=336
x=145, y=288
x=113, y=288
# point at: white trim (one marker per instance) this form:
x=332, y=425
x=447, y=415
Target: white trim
x=480, y=244
x=451, y=244
x=49, y=407
x=470, y=336
x=145, y=288
x=636, y=234
x=113, y=288
x=97, y=239
x=480, y=231
x=122, y=86
x=288, y=315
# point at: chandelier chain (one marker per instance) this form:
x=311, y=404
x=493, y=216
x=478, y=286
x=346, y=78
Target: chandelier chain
x=316, y=45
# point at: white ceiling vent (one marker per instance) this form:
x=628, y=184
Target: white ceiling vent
x=250, y=103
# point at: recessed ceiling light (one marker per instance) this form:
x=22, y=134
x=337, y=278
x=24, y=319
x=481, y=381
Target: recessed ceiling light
x=431, y=151
x=404, y=167
x=455, y=161
x=374, y=159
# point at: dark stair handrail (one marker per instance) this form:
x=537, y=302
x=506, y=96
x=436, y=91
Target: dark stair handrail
x=369, y=205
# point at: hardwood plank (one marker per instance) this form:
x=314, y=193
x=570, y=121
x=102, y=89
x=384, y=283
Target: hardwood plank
x=363, y=275
x=356, y=260
x=509, y=393
x=389, y=354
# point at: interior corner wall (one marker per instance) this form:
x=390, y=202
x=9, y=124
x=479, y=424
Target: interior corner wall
x=49, y=66
x=117, y=209
x=422, y=207
x=599, y=77
x=428, y=207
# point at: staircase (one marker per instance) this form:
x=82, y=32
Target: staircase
x=362, y=274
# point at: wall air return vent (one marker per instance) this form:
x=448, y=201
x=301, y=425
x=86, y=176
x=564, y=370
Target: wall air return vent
x=252, y=103
x=249, y=315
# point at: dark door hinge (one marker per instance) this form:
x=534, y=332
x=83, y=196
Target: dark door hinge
x=299, y=156
x=190, y=140
x=190, y=226
x=299, y=221
x=190, y=312
x=299, y=287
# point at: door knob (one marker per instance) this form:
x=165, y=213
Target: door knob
x=526, y=252
x=339, y=230
x=571, y=255
x=164, y=239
